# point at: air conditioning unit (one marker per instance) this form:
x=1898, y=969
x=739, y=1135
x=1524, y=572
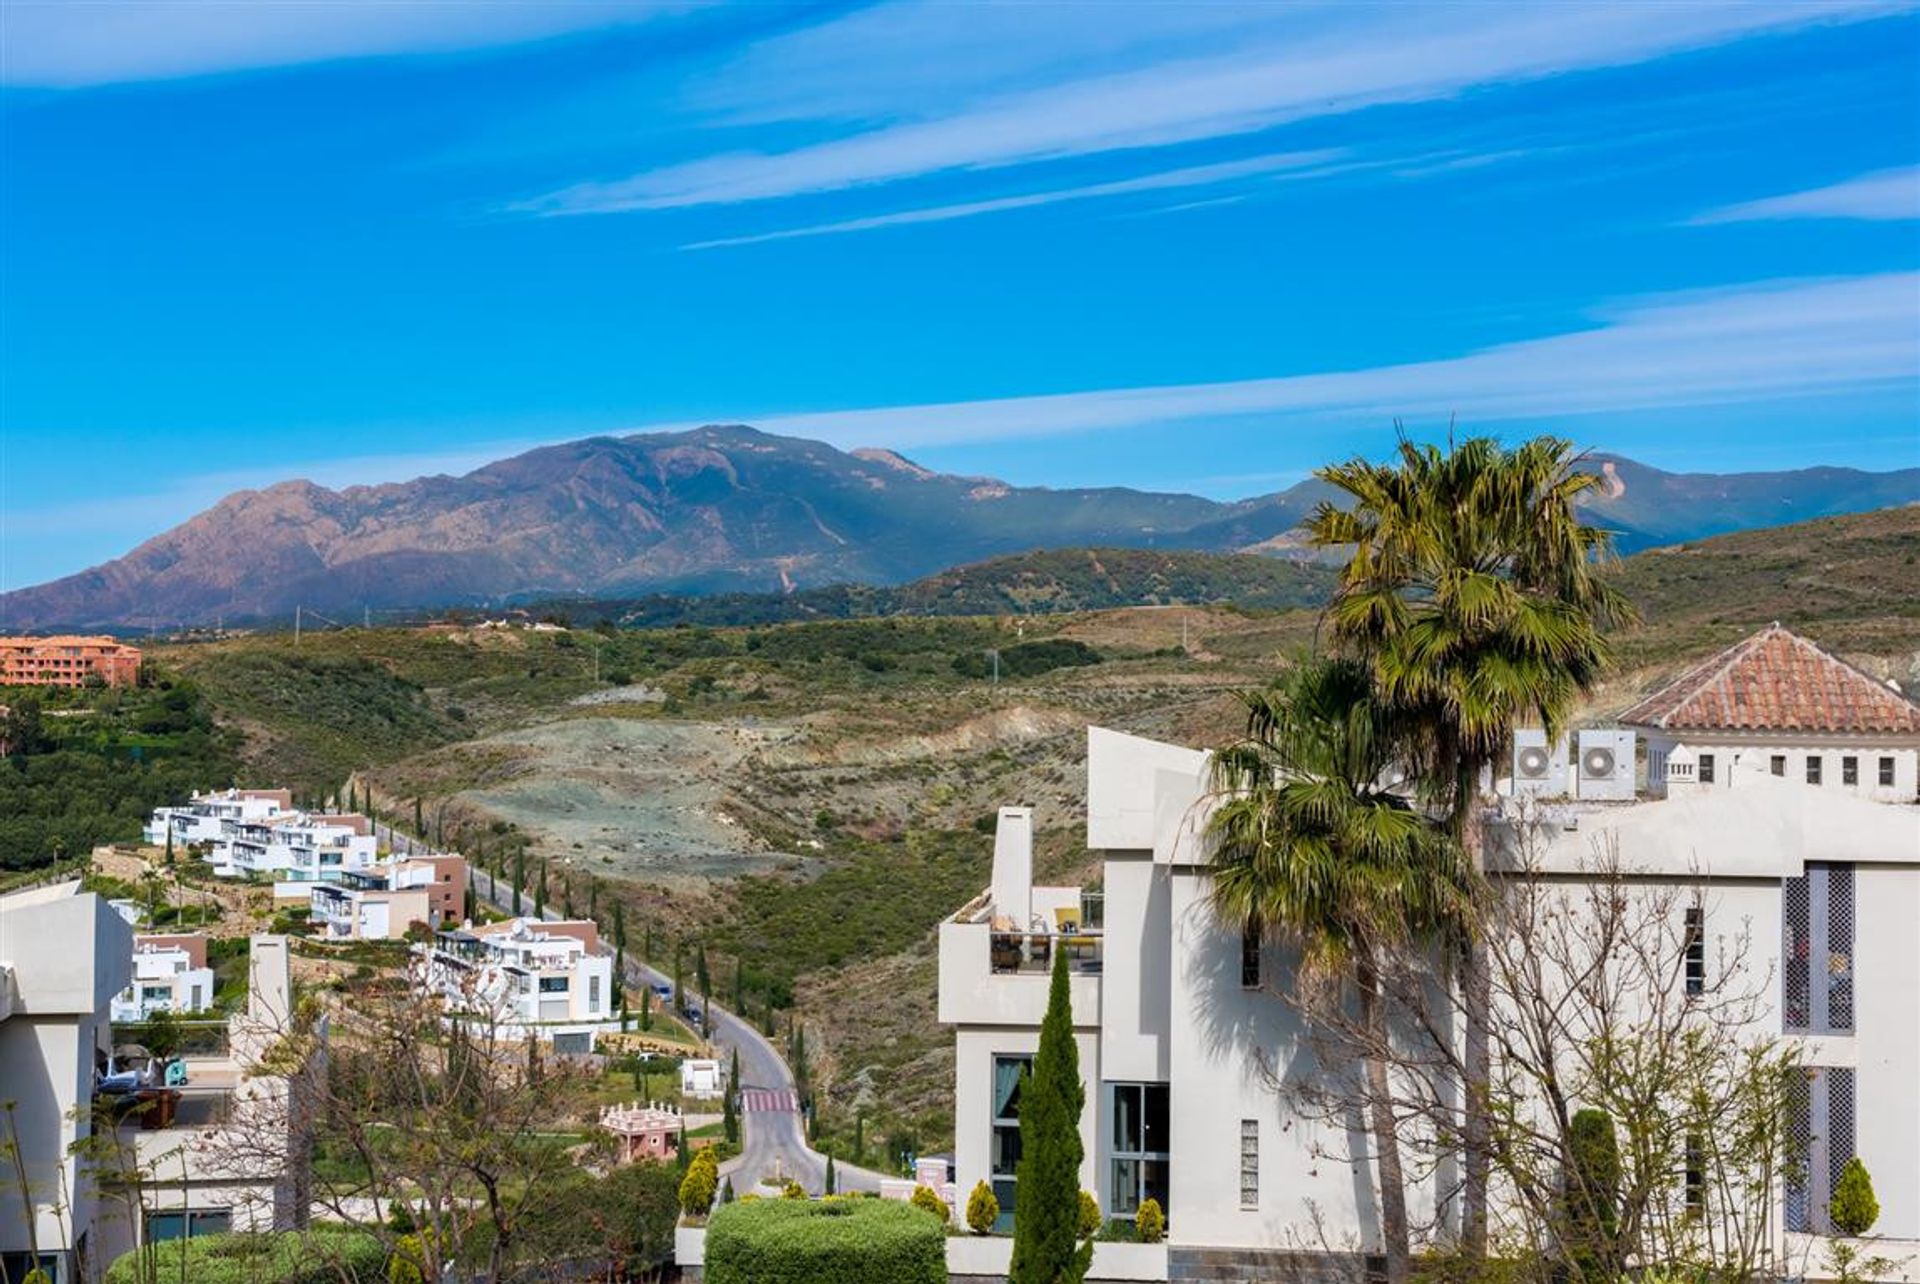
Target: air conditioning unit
x=1605, y=766
x=1539, y=768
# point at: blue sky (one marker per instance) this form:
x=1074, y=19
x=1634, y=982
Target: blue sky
x=1193, y=246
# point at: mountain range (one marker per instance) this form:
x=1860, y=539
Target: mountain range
x=731, y=509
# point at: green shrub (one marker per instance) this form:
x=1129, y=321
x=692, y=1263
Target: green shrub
x=983, y=1209
x=844, y=1240
x=923, y=1197
x=1853, y=1208
x=1150, y=1224
x=701, y=1183
x=1089, y=1215
x=323, y=1255
x=793, y=1190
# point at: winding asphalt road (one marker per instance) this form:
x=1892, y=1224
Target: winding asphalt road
x=774, y=1141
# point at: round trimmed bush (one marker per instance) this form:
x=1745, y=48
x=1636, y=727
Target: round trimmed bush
x=924, y=1198
x=1150, y=1224
x=842, y=1240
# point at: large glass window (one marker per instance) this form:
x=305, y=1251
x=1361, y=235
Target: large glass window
x=1886, y=771
x=1139, y=1149
x=1003, y=1159
x=188, y=1224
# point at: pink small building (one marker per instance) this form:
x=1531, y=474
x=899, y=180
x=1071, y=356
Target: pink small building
x=651, y=1131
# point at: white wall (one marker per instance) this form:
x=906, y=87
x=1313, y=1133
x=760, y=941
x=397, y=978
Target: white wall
x=974, y=1050
x=1136, y=993
x=1887, y=1039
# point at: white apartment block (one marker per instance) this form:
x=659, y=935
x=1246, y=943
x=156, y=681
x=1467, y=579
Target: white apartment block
x=1184, y=1034
x=381, y=902
x=547, y=981
x=170, y=974
x=224, y=1150
x=209, y=817
x=296, y=848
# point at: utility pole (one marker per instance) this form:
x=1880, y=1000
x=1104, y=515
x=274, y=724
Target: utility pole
x=296, y=624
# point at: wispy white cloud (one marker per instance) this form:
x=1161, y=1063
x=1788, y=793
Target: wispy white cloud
x=1191, y=176
x=1890, y=195
x=71, y=43
x=1317, y=61
x=1743, y=345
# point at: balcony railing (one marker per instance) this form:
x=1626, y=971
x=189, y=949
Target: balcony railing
x=1009, y=953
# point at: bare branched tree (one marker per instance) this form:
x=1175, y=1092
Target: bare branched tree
x=1617, y=1021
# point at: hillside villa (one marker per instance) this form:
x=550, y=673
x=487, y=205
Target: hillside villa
x=381, y=902
x=547, y=981
x=1184, y=1031
x=170, y=974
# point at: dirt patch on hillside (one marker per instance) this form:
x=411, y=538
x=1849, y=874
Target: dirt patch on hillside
x=627, y=797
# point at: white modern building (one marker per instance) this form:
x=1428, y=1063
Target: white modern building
x=381, y=902
x=170, y=974
x=64, y=954
x=548, y=981
x=295, y=847
x=1779, y=702
x=1187, y=1044
x=209, y=817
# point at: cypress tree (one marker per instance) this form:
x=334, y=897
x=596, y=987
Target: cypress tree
x=646, y=1008
x=519, y=878
x=679, y=979
x=419, y=823
x=860, y=1138
x=832, y=1179
x=1047, y=1248
x=729, y=1118
x=1592, y=1196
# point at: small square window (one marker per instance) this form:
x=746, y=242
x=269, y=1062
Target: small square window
x=1706, y=768
x=1886, y=772
x=1779, y=764
x=1849, y=770
x=1814, y=764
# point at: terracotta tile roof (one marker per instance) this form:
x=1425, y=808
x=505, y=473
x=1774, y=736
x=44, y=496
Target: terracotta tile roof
x=1776, y=680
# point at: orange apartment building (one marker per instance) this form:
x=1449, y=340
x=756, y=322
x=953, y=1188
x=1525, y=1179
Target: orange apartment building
x=67, y=661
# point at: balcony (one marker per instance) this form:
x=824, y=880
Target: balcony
x=994, y=973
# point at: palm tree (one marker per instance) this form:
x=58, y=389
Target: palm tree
x=1310, y=844
x=1474, y=595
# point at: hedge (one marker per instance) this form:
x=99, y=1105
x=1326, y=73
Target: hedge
x=323, y=1255
x=842, y=1240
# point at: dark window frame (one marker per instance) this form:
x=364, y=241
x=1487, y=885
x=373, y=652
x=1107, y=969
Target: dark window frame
x=1706, y=769
x=1696, y=951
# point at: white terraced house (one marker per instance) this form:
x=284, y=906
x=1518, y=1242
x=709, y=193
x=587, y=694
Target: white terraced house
x=547, y=981
x=170, y=974
x=381, y=902
x=1186, y=1036
x=210, y=817
x=296, y=847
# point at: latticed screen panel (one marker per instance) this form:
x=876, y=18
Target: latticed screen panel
x=1249, y=1163
x=1795, y=953
x=1839, y=1084
x=1839, y=947
x=1799, y=1190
